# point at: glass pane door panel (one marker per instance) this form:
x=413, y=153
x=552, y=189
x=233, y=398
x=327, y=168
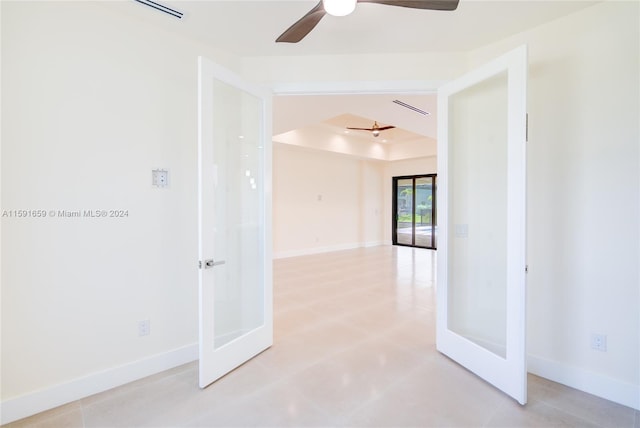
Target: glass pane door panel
x=478, y=214
x=423, y=212
x=405, y=212
x=238, y=222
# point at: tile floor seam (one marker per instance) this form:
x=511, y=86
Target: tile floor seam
x=391, y=385
x=315, y=405
x=565, y=411
x=84, y=424
x=494, y=414
x=573, y=391
x=319, y=360
x=316, y=326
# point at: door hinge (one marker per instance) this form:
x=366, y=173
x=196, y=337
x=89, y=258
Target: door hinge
x=526, y=269
x=526, y=137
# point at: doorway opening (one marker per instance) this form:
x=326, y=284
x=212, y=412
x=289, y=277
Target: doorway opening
x=414, y=211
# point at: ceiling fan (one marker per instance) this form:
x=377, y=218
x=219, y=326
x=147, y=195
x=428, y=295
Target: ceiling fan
x=375, y=129
x=304, y=25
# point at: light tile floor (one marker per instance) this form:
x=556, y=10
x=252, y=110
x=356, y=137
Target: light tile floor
x=354, y=346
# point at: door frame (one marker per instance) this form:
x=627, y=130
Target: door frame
x=414, y=87
x=351, y=87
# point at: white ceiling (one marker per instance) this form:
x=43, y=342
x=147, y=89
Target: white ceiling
x=326, y=117
x=297, y=111
x=249, y=28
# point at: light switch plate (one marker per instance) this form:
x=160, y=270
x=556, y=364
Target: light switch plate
x=160, y=177
x=461, y=230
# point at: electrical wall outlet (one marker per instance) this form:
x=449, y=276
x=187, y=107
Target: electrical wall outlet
x=144, y=328
x=599, y=342
x=160, y=178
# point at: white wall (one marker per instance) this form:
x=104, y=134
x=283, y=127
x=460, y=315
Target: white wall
x=324, y=201
x=317, y=138
x=91, y=103
x=309, y=137
x=584, y=191
x=356, y=206
x=349, y=68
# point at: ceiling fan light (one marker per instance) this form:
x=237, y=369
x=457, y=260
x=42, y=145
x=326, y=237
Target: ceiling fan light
x=339, y=7
x=375, y=132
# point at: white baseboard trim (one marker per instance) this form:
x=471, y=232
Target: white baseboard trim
x=319, y=250
x=596, y=384
x=45, y=399
x=372, y=244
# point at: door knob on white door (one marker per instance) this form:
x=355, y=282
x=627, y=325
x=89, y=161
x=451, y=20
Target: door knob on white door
x=209, y=263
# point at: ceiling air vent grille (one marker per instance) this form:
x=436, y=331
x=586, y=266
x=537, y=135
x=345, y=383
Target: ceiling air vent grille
x=410, y=107
x=161, y=8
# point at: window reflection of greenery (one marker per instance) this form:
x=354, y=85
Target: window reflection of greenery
x=423, y=209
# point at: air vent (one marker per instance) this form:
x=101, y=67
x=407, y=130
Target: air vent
x=410, y=107
x=161, y=8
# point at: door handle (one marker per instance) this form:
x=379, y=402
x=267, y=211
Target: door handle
x=209, y=263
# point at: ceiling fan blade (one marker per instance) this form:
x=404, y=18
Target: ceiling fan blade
x=418, y=4
x=303, y=26
x=361, y=129
x=384, y=128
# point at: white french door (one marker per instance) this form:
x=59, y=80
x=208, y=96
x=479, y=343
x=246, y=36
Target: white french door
x=234, y=221
x=481, y=293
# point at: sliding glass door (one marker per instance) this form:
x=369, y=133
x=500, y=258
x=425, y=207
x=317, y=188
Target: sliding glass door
x=414, y=211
